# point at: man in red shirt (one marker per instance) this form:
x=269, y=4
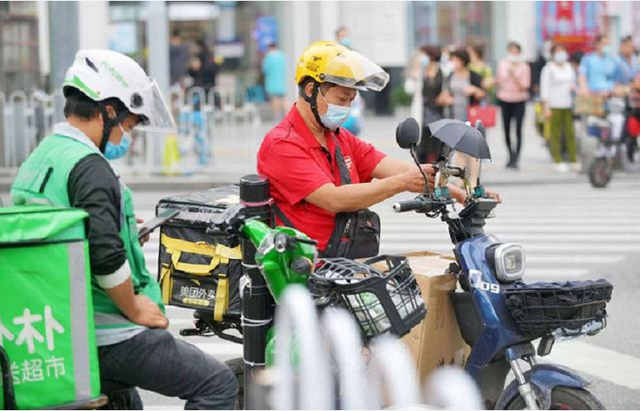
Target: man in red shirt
x=305, y=155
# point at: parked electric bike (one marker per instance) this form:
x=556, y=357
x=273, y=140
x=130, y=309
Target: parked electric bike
x=381, y=293
x=617, y=144
x=499, y=316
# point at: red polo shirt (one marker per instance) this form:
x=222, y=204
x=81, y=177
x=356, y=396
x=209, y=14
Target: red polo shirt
x=297, y=165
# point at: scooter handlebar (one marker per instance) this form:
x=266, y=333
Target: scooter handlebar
x=409, y=205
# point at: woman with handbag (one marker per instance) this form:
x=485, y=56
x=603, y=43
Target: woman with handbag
x=463, y=88
x=513, y=80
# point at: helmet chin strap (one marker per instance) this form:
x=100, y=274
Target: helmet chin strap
x=313, y=103
x=108, y=124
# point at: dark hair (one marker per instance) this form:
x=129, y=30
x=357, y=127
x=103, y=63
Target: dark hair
x=516, y=45
x=601, y=37
x=479, y=50
x=576, y=57
x=175, y=33
x=626, y=39
x=555, y=47
x=461, y=54
x=78, y=104
x=434, y=52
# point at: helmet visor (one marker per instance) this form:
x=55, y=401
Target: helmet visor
x=352, y=69
x=154, y=111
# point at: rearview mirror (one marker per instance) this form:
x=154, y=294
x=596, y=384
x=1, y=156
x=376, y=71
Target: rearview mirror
x=408, y=133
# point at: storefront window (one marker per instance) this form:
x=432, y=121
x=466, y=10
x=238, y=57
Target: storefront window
x=452, y=23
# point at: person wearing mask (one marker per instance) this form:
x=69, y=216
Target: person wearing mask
x=557, y=85
x=462, y=88
x=344, y=37
x=107, y=94
x=513, y=82
x=320, y=173
x=274, y=70
x=627, y=65
x=598, y=69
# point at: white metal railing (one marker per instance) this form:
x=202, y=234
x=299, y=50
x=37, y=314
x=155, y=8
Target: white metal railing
x=319, y=364
x=210, y=124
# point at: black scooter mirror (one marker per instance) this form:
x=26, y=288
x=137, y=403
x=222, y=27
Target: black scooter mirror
x=408, y=133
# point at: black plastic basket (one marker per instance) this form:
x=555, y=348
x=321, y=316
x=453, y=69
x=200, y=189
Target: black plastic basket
x=381, y=300
x=560, y=309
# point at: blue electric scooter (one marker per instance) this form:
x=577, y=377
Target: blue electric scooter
x=488, y=271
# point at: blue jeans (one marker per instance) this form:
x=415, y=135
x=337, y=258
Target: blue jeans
x=156, y=361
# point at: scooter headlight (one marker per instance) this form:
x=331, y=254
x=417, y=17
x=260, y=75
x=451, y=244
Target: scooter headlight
x=510, y=262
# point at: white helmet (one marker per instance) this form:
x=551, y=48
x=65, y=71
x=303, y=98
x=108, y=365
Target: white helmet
x=105, y=74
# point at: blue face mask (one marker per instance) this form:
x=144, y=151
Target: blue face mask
x=346, y=42
x=606, y=50
x=113, y=152
x=424, y=60
x=335, y=115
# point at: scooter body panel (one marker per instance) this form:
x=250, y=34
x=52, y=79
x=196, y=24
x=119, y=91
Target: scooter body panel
x=497, y=331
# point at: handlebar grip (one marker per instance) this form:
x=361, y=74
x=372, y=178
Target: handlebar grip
x=408, y=205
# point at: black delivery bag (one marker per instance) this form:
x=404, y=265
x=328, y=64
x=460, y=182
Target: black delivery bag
x=195, y=269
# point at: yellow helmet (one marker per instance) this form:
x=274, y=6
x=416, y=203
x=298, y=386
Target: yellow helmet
x=329, y=62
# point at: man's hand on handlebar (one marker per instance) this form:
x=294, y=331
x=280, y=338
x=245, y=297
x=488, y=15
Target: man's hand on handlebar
x=414, y=180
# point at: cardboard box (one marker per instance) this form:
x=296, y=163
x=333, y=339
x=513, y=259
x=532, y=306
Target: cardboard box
x=436, y=341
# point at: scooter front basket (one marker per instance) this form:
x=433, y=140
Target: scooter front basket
x=381, y=293
x=561, y=309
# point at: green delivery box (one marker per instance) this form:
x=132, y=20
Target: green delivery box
x=46, y=311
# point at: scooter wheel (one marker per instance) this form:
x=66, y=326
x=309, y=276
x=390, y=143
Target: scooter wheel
x=564, y=398
x=600, y=172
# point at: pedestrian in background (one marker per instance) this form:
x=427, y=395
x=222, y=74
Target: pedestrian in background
x=463, y=87
x=478, y=65
x=513, y=81
x=597, y=69
x=179, y=58
x=627, y=65
x=557, y=85
x=274, y=68
x=432, y=108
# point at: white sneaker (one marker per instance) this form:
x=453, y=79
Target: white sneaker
x=576, y=167
x=562, y=168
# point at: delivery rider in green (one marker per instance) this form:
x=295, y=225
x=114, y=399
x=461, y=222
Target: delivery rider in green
x=107, y=95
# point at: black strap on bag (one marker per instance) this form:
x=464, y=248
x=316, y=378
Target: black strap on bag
x=356, y=234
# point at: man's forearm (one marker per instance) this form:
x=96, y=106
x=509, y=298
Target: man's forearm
x=124, y=298
x=353, y=197
x=390, y=167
